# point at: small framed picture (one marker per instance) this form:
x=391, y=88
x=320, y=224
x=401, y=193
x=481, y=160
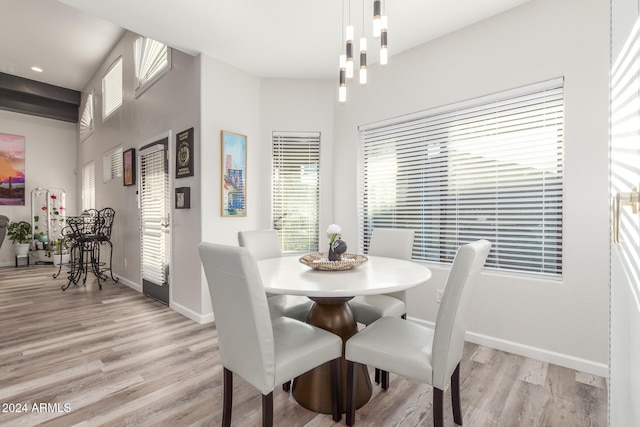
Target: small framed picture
x=183, y=198
x=234, y=174
x=129, y=167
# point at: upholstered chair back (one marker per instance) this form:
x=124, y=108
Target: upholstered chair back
x=245, y=334
x=262, y=243
x=448, y=341
x=391, y=242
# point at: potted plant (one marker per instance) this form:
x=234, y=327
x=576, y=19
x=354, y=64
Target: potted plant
x=20, y=234
x=61, y=253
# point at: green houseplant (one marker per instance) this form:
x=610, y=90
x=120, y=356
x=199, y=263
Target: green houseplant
x=61, y=254
x=20, y=234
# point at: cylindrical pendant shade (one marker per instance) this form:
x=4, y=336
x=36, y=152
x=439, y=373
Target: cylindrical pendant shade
x=363, y=60
x=376, y=18
x=384, y=55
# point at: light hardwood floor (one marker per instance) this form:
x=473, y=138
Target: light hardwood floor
x=114, y=357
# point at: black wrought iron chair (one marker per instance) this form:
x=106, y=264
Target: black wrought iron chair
x=104, y=236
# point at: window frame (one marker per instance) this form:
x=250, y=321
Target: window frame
x=293, y=153
x=86, y=124
x=107, y=109
x=433, y=178
x=142, y=83
x=89, y=185
x=112, y=165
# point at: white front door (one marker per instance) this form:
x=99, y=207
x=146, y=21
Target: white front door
x=624, y=384
x=155, y=236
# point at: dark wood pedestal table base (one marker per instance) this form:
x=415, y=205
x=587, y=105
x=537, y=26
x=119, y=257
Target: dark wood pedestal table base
x=310, y=389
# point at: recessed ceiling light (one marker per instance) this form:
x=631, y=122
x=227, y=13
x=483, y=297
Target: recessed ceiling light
x=37, y=69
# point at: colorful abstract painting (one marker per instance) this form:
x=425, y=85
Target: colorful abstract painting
x=12, y=149
x=234, y=174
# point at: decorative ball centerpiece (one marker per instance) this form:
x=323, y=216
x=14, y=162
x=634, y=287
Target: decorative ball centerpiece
x=337, y=246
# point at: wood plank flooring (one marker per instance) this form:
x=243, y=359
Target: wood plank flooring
x=113, y=357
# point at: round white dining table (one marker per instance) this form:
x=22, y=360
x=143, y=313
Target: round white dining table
x=379, y=275
x=331, y=291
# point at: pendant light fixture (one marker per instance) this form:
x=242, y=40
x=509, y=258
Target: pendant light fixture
x=380, y=29
x=342, y=86
x=384, y=54
x=349, y=44
x=342, y=89
x=363, y=51
x=376, y=18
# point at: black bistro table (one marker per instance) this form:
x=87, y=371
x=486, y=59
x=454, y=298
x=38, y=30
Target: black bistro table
x=84, y=236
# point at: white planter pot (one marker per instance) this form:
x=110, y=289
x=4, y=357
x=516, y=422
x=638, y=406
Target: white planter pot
x=22, y=248
x=57, y=260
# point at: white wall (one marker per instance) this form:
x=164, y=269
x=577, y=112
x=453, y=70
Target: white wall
x=299, y=105
x=171, y=104
x=236, y=101
x=563, y=322
x=230, y=102
x=50, y=162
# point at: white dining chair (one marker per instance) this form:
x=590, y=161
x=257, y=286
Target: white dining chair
x=263, y=351
x=390, y=243
x=265, y=244
x=431, y=356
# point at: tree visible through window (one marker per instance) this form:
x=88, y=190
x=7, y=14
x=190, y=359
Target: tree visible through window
x=490, y=168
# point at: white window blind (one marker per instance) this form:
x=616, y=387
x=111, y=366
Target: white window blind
x=296, y=189
x=112, y=89
x=86, y=120
x=151, y=60
x=89, y=186
x=154, y=184
x=489, y=168
x=112, y=164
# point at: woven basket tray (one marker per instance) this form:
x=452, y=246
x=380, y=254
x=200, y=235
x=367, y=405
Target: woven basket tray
x=320, y=261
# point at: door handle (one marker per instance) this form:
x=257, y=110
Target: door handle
x=620, y=200
x=165, y=222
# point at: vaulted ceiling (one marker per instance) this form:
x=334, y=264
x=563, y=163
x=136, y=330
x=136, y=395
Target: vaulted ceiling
x=69, y=39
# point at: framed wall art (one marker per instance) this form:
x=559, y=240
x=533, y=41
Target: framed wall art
x=184, y=153
x=12, y=168
x=129, y=167
x=234, y=174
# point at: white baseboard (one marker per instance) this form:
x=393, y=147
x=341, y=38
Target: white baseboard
x=133, y=285
x=572, y=362
x=197, y=317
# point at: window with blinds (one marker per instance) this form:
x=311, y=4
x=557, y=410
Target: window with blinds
x=151, y=59
x=112, y=164
x=89, y=186
x=112, y=89
x=296, y=189
x=154, y=187
x=86, y=120
x=490, y=168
